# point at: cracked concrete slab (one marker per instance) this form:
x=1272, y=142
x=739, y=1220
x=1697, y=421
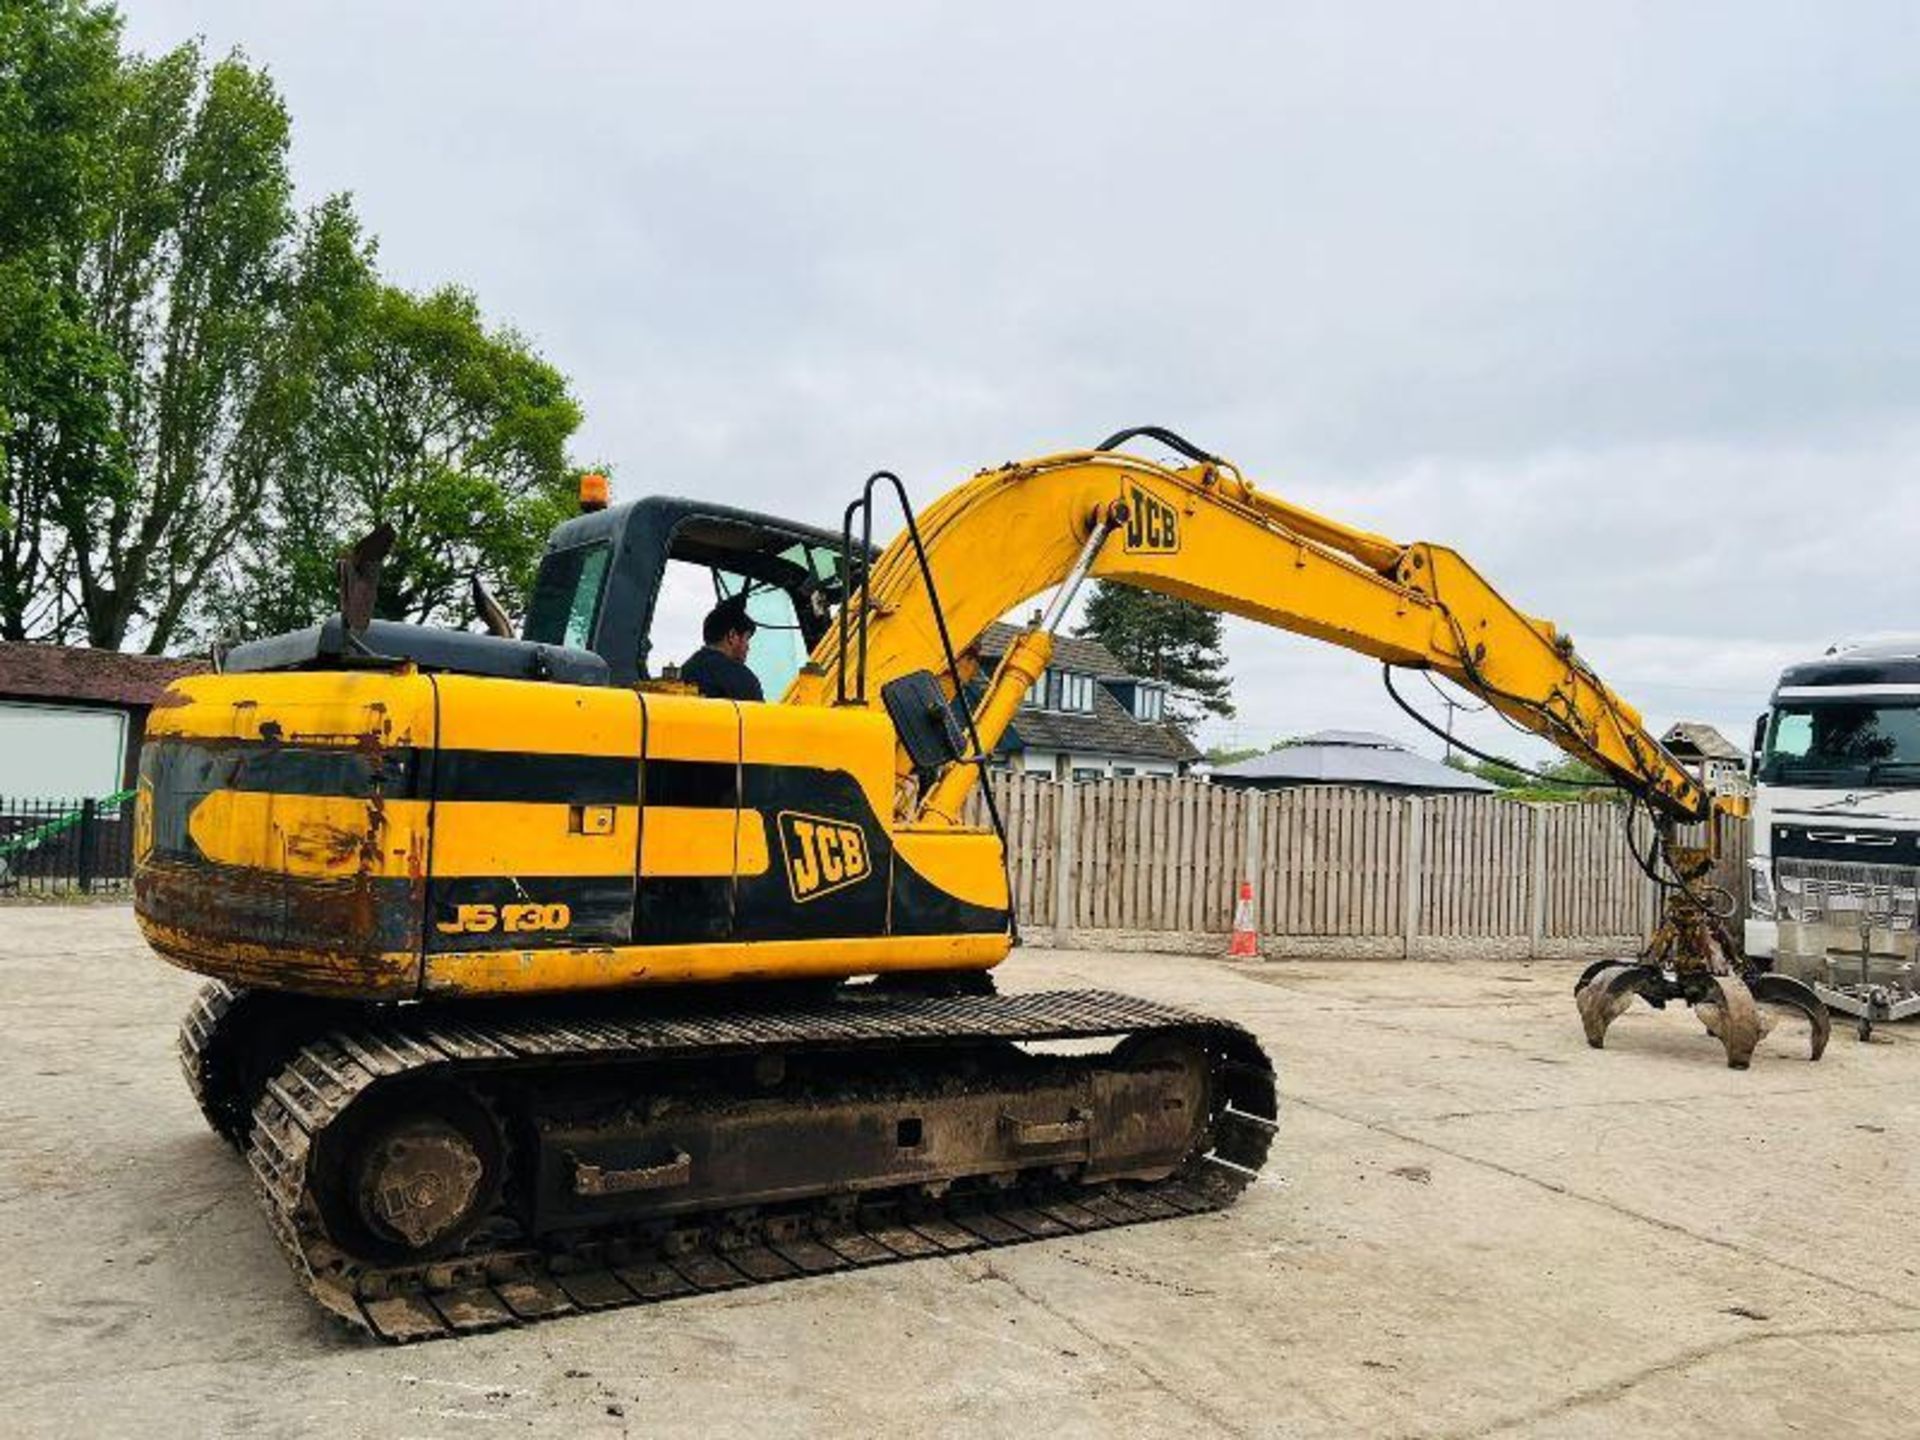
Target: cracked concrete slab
x=1473, y=1226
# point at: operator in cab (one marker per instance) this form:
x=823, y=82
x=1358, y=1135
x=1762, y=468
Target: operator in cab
x=719, y=667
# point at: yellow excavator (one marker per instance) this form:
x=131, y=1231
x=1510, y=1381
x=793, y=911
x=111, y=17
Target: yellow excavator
x=540, y=984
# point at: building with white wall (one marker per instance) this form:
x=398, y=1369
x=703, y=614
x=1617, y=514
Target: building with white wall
x=71, y=718
x=1087, y=719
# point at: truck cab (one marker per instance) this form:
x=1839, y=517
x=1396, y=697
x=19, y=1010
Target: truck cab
x=1836, y=818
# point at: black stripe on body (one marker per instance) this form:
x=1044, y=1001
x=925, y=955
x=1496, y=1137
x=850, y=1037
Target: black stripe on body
x=262, y=767
x=692, y=784
x=685, y=910
x=922, y=908
x=525, y=778
x=765, y=906
x=359, y=772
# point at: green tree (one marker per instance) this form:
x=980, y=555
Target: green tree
x=1164, y=638
x=59, y=91
x=1498, y=771
x=407, y=409
x=1566, y=778
x=203, y=393
x=148, y=203
x=1231, y=755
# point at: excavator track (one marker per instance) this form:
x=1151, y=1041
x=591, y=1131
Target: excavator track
x=509, y=1272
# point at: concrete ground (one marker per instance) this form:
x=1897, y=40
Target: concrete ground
x=1473, y=1225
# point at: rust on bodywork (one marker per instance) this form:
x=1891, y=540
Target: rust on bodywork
x=287, y=846
x=307, y=970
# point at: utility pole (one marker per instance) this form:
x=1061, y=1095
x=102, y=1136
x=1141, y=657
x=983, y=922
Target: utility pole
x=1452, y=705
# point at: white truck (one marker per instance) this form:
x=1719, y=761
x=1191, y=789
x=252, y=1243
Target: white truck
x=1836, y=829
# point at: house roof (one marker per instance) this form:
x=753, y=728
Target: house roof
x=1080, y=653
x=1109, y=730
x=74, y=673
x=1350, y=757
x=1691, y=740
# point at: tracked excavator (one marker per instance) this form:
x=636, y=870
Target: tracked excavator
x=539, y=984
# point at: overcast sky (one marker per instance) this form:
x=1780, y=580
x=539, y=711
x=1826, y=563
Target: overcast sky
x=1618, y=300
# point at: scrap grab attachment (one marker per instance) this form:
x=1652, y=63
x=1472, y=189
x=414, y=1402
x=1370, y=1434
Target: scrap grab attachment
x=1691, y=958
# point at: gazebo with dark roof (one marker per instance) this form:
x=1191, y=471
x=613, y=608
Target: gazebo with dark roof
x=1351, y=757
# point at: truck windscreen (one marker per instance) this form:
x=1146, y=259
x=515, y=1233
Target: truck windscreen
x=1843, y=742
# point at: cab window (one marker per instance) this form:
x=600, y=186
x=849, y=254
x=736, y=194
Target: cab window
x=1844, y=742
x=689, y=590
x=566, y=596
x=790, y=588
x=779, y=649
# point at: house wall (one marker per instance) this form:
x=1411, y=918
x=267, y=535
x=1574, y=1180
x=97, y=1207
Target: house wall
x=64, y=704
x=1728, y=777
x=1049, y=763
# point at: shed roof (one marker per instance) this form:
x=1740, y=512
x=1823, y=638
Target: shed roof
x=1365, y=739
x=74, y=673
x=1350, y=757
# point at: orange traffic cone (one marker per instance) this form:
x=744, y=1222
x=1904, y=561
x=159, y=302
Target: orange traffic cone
x=1246, y=940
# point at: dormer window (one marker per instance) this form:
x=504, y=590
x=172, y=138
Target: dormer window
x=1062, y=690
x=1149, y=704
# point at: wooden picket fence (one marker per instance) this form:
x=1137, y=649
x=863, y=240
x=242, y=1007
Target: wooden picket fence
x=1334, y=870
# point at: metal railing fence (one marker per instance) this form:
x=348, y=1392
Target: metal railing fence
x=66, y=847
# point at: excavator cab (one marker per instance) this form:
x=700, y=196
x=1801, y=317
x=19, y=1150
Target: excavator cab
x=594, y=616
x=610, y=578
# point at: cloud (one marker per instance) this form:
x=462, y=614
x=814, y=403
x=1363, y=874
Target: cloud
x=1618, y=300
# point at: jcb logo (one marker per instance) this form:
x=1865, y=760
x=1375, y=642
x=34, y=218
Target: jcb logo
x=511, y=919
x=822, y=855
x=1153, y=526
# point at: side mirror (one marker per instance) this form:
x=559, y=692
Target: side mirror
x=924, y=721
x=1759, y=744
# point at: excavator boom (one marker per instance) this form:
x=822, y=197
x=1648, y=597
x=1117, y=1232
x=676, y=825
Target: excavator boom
x=1203, y=533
